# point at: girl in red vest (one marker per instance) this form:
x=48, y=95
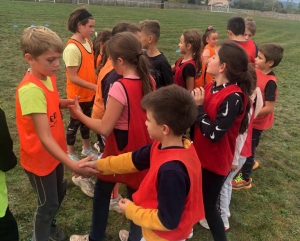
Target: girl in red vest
x=123, y=124
x=81, y=81
x=222, y=115
x=187, y=67
x=210, y=41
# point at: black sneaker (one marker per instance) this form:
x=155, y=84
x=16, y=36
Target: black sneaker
x=56, y=234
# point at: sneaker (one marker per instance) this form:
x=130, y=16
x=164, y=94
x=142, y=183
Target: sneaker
x=97, y=147
x=114, y=204
x=204, y=223
x=255, y=165
x=73, y=157
x=57, y=234
x=191, y=234
x=79, y=237
x=85, y=184
x=123, y=235
x=239, y=183
x=88, y=152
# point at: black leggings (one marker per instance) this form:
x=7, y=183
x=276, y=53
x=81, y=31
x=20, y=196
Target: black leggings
x=8, y=227
x=211, y=187
x=74, y=124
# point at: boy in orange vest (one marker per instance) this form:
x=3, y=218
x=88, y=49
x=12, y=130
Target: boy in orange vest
x=169, y=200
x=41, y=129
x=268, y=57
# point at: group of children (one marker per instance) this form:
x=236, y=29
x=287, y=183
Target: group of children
x=141, y=119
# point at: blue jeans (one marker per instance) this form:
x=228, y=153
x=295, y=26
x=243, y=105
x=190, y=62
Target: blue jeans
x=101, y=202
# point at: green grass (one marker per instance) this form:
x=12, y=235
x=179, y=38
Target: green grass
x=268, y=211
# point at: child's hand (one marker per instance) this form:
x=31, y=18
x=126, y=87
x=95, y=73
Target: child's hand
x=75, y=109
x=91, y=164
x=84, y=171
x=199, y=95
x=123, y=203
x=233, y=167
x=64, y=103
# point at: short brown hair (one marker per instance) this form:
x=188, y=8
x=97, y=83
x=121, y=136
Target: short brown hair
x=39, y=39
x=125, y=27
x=75, y=18
x=272, y=52
x=151, y=27
x=173, y=106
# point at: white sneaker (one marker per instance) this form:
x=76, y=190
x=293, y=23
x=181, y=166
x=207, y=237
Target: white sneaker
x=123, y=235
x=204, y=223
x=114, y=204
x=88, y=152
x=191, y=234
x=85, y=184
x=97, y=147
x=79, y=237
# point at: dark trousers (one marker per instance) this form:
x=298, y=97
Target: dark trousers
x=8, y=227
x=101, y=202
x=50, y=190
x=247, y=167
x=211, y=187
x=74, y=124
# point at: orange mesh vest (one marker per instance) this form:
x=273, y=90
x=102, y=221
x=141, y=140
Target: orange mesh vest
x=98, y=107
x=204, y=78
x=34, y=158
x=146, y=195
x=266, y=121
x=85, y=72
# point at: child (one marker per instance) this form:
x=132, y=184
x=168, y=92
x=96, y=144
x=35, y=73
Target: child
x=242, y=150
x=81, y=80
x=122, y=124
x=160, y=68
x=222, y=115
x=268, y=57
x=236, y=29
x=163, y=212
x=210, y=41
x=98, y=106
x=8, y=160
x=187, y=67
x=41, y=129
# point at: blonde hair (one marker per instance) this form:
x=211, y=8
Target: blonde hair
x=151, y=27
x=38, y=39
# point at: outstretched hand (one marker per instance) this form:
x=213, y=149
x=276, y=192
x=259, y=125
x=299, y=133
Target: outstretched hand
x=75, y=108
x=91, y=164
x=123, y=203
x=85, y=171
x=199, y=95
x=64, y=103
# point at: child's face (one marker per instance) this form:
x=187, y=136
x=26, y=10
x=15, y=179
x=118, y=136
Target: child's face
x=87, y=30
x=44, y=65
x=212, y=39
x=182, y=46
x=155, y=131
x=261, y=63
x=144, y=39
x=248, y=34
x=213, y=66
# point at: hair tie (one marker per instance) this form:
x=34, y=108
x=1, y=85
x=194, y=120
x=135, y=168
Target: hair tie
x=85, y=14
x=138, y=55
x=209, y=28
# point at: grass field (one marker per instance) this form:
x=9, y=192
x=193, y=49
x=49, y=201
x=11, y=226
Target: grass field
x=268, y=211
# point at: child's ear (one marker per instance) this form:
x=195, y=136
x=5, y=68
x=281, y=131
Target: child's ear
x=222, y=68
x=166, y=130
x=29, y=58
x=270, y=63
x=188, y=46
x=150, y=39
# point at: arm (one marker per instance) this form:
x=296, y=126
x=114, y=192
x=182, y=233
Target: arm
x=173, y=68
x=64, y=103
x=270, y=97
x=206, y=56
x=167, y=74
x=267, y=109
x=190, y=83
x=104, y=126
x=42, y=128
x=75, y=79
x=8, y=159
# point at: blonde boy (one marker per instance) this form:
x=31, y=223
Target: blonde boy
x=41, y=129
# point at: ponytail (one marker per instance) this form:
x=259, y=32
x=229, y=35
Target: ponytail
x=144, y=73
